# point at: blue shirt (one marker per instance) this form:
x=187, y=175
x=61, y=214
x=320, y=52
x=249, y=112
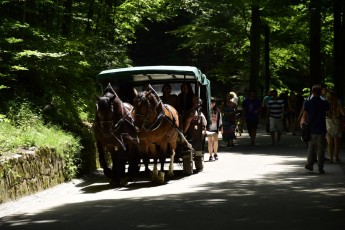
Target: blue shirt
x=316, y=109
x=251, y=106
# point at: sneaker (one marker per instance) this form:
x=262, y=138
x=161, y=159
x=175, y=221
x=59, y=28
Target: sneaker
x=321, y=171
x=210, y=159
x=309, y=167
x=216, y=156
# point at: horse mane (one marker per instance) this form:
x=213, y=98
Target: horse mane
x=152, y=91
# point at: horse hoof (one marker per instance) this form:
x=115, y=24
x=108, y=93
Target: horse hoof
x=107, y=172
x=123, y=183
x=147, y=172
x=170, y=174
x=161, y=176
x=115, y=184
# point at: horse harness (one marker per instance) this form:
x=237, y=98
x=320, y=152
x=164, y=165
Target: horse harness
x=118, y=125
x=159, y=107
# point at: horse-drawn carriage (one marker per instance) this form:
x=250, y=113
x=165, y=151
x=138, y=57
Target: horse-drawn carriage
x=158, y=127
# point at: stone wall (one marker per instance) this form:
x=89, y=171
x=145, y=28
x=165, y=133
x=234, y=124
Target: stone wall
x=28, y=172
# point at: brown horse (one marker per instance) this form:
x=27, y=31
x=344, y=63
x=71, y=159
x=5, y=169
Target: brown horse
x=157, y=125
x=115, y=132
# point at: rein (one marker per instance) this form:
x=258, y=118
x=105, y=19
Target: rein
x=118, y=125
x=155, y=125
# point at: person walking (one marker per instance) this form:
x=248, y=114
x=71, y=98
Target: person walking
x=274, y=117
x=251, y=111
x=323, y=96
x=229, y=120
x=293, y=112
x=265, y=109
x=214, y=128
x=239, y=109
x=333, y=126
x=315, y=111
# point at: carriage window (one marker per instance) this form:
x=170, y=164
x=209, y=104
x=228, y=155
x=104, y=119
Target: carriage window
x=175, y=88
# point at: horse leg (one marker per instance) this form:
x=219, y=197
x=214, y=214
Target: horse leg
x=103, y=162
x=171, y=166
x=161, y=155
x=133, y=162
x=117, y=170
x=146, y=161
x=155, y=170
x=122, y=170
x=161, y=174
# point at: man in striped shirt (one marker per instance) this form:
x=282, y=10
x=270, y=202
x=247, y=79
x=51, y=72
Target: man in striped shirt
x=274, y=117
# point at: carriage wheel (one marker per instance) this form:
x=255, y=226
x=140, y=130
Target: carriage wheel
x=199, y=163
x=188, y=164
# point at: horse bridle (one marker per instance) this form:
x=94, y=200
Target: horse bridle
x=118, y=125
x=145, y=116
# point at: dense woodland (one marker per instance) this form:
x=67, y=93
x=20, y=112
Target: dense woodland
x=51, y=50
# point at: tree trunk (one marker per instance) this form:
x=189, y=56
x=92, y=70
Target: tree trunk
x=267, y=59
x=343, y=46
x=314, y=41
x=67, y=19
x=338, y=49
x=89, y=17
x=254, y=48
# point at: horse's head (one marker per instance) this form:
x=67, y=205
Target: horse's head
x=145, y=107
x=105, y=111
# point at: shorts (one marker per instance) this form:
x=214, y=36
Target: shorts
x=334, y=128
x=211, y=133
x=276, y=125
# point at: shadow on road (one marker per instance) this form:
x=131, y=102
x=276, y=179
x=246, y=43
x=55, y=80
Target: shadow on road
x=250, y=187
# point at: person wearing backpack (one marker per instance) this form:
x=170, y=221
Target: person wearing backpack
x=315, y=111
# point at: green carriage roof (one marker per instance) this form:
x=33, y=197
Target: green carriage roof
x=153, y=74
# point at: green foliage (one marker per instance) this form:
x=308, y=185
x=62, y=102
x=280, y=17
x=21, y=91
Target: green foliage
x=24, y=128
x=50, y=54
x=221, y=29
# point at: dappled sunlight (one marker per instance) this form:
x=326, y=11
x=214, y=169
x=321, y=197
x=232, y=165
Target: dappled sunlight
x=247, y=186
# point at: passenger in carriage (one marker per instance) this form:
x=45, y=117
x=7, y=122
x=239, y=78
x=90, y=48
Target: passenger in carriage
x=187, y=105
x=167, y=97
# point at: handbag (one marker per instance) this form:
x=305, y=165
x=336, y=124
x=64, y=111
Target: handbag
x=305, y=132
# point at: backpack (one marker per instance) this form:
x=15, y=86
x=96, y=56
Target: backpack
x=305, y=132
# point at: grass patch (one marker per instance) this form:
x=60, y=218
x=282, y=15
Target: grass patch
x=24, y=129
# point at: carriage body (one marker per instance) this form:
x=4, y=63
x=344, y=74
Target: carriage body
x=134, y=79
